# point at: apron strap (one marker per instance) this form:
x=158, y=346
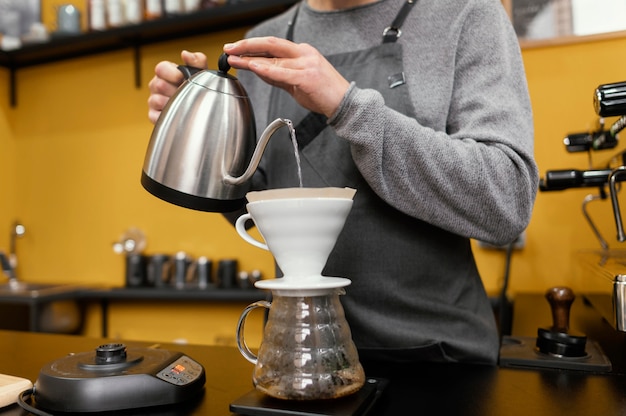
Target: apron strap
x=292, y=23
x=309, y=128
x=393, y=32
x=313, y=124
x=390, y=33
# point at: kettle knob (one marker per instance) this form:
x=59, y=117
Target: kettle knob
x=222, y=64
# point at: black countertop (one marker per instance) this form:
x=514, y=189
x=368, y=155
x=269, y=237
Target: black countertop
x=439, y=389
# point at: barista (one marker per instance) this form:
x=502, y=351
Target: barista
x=422, y=106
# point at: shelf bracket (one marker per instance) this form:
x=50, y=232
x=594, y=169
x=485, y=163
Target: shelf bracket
x=12, y=87
x=137, y=59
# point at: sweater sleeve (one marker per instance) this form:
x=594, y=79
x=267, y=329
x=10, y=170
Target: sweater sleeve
x=476, y=176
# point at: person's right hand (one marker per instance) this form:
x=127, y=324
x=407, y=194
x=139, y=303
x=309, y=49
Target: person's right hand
x=167, y=78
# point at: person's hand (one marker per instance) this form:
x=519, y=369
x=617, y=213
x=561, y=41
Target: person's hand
x=167, y=79
x=299, y=69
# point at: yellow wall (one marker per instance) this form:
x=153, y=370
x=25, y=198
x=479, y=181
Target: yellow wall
x=71, y=154
x=562, y=80
x=81, y=132
x=8, y=180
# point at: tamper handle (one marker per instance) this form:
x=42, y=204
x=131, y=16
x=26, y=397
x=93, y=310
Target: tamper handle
x=560, y=299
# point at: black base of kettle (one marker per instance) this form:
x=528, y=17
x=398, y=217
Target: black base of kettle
x=189, y=201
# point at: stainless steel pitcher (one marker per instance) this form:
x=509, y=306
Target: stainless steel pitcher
x=203, y=149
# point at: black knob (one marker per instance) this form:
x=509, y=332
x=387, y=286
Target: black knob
x=222, y=63
x=610, y=99
x=111, y=354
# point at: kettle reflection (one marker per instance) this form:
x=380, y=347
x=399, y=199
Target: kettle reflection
x=307, y=352
x=203, y=149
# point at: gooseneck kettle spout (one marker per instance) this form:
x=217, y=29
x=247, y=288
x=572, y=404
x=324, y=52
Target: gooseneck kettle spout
x=203, y=149
x=258, y=151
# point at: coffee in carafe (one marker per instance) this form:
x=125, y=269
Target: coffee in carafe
x=307, y=352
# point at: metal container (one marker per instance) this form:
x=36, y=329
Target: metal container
x=603, y=284
x=203, y=149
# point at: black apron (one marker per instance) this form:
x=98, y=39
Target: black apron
x=379, y=246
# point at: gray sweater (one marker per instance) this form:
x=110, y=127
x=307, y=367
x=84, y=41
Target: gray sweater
x=464, y=162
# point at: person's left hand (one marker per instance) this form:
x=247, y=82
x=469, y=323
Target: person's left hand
x=299, y=69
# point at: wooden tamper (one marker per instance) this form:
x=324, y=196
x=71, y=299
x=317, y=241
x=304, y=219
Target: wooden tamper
x=557, y=340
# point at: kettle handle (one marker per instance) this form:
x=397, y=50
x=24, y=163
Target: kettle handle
x=241, y=343
x=188, y=71
x=222, y=64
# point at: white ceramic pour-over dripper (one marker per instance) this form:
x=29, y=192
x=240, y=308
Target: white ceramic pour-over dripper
x=300, y=231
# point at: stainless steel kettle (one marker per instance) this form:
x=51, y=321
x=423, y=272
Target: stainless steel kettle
x=203, y=150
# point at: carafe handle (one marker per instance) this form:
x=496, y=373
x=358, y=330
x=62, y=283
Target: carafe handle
x=240, y=226
x=241, y=342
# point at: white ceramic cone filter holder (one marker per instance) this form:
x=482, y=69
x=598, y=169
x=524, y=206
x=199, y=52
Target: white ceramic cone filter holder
x=300, y=227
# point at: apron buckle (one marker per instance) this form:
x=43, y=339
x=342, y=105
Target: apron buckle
x=392, y=31
x=396, y=80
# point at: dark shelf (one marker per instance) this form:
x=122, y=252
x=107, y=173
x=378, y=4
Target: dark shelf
x=59, y=48
x=105, y=296
x=170, y=293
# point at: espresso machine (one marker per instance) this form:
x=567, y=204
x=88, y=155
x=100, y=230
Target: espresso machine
x=603, y=280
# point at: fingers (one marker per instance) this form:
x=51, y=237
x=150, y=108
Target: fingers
x=299, y=69
x=167, y=78
x=167, y=75
x=273, y=59
x=262, y=47
x=163, y=85
x=156, y=103
x=195, y=59
x=153, y=115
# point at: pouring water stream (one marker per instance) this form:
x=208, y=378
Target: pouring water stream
x=294, y=141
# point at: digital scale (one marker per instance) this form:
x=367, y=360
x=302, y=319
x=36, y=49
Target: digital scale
x=255, y=403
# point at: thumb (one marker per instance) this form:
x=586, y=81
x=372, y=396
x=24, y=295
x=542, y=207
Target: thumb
x=195, y=59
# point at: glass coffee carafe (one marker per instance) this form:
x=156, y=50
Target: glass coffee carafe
x=307, y=352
